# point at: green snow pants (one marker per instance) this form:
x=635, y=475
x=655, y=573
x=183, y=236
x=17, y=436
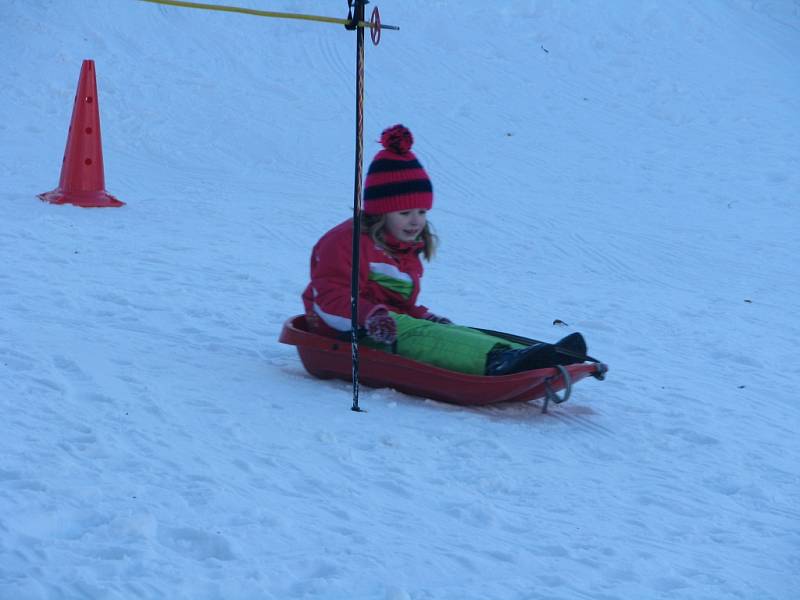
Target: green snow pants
x=452, y=347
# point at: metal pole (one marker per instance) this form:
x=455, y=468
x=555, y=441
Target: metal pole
x=358, y=17
x=268, y=13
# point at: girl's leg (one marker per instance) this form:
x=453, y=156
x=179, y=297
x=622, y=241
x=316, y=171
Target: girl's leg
x=450, y=347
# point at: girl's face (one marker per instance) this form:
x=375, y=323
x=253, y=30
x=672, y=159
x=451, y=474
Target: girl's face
x=406, y=225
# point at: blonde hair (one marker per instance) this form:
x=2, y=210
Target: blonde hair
x=374, y=225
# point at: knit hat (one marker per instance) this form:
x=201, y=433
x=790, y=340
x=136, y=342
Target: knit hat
x=396, y=179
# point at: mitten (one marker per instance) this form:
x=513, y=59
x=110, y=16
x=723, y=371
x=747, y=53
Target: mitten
x=381, y=326
x=437, y=319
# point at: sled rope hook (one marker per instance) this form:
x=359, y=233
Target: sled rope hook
x=552, y=395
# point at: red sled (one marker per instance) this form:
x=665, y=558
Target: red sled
x=329, y=358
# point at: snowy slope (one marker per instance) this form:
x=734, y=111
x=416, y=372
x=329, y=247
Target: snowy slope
x=631, y=168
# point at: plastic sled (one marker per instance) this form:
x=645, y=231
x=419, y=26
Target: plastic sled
x=328, y=358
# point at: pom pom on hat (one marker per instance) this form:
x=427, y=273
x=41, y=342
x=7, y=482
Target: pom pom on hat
x=397, y=138
x=396, y=180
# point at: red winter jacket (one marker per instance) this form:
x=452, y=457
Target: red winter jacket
x=388, y=279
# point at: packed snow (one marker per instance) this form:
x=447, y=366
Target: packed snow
x=629, y=168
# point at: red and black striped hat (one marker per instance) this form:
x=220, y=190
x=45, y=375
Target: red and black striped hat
x=396, y=179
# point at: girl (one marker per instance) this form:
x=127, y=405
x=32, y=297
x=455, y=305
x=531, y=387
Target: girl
x=394, y=233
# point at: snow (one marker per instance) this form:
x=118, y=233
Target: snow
x=631, y=168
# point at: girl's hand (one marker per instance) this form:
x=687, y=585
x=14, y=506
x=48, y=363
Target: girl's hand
x=381, y=326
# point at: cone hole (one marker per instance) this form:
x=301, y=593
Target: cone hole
x=89, y=99
x=88, y=130
x=87, y=162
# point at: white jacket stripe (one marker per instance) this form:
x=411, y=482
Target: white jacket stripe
x=390, y=271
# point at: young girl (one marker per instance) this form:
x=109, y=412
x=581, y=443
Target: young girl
x=394, y=233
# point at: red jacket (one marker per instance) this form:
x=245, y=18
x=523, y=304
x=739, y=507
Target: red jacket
x=388, y=279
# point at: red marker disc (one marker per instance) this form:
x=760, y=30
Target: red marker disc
x=375, y=26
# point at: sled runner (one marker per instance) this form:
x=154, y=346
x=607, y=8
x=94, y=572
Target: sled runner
x=328, y=358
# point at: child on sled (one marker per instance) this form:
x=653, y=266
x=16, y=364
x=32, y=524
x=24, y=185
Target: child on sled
x=394, y=233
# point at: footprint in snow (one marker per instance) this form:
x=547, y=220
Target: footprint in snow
x=196, y=544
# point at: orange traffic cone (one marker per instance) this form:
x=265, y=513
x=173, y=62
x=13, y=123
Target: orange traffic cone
x=82, y=180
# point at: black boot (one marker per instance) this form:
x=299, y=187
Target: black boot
x=572, y=348
x=504, y=361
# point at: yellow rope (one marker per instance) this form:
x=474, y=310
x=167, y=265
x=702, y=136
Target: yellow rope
x=258, y=13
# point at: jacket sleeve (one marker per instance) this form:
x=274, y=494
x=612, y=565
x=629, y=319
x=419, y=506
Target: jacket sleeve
x=330, y=280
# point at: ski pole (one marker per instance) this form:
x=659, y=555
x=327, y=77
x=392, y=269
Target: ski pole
x=357, y=17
